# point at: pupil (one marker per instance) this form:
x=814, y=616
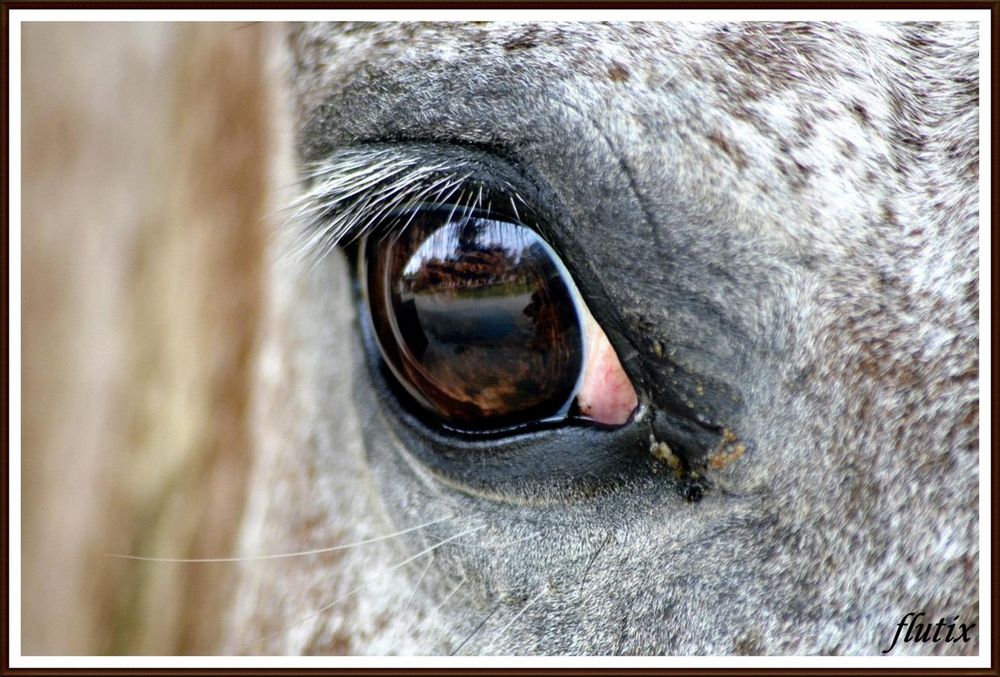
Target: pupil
x=475, y=319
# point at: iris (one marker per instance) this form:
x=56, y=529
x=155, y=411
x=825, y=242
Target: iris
x=476, y=317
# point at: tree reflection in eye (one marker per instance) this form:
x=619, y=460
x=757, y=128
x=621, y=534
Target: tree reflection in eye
x=477, y=318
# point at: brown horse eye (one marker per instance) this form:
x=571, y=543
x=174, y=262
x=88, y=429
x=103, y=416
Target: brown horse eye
x=477, y=319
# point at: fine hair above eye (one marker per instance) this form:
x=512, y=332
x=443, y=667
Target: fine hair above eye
x=357, y=189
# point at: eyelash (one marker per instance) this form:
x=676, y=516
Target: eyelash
x=357, y=190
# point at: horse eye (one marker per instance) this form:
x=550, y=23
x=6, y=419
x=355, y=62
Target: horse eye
x=477, y=318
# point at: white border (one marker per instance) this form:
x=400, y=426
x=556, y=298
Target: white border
x=16, y=660
x=14, y=334
x=985, y=340
x=498, y=15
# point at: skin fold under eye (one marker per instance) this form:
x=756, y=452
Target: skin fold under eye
x=479, y=321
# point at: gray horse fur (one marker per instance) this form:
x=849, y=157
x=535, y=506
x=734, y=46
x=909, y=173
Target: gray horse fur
x=777, y=226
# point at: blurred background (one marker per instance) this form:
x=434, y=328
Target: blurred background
x=145, y=197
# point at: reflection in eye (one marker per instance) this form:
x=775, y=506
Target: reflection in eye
x=479, y=320
x=475, y=318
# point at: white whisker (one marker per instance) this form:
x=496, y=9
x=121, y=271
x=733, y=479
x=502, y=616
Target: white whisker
x=497, y=546
x=445, y=600
x=544, y=591
x=438, y=545
x=358, y=589
x=416, y=586
x=433, y=612
x=283, y=555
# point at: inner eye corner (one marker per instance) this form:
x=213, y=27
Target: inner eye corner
x=481, y=324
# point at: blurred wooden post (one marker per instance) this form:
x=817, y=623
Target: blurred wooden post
x=145, y=193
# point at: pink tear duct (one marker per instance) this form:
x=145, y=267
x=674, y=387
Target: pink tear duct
x=606, y=395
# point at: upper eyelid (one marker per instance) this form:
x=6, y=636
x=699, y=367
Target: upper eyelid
x=354, y=188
